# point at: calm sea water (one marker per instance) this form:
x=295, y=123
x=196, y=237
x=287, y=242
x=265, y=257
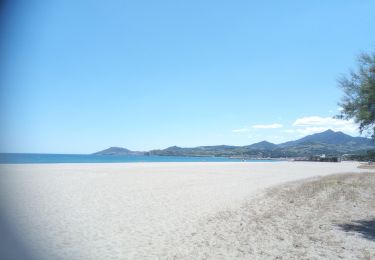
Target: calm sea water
x=21, y=158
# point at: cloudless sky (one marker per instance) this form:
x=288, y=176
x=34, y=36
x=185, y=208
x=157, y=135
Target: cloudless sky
x=80, y=76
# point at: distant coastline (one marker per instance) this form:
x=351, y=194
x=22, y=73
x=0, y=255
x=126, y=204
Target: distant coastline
x=31, y=158
x=327, y=143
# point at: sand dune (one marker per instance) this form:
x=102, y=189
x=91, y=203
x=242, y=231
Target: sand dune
x=135, y=211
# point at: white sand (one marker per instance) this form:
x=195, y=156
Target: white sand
x=330, y=217
x=132, y=211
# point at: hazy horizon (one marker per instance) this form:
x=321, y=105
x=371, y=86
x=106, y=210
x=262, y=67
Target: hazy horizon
x=160, y=148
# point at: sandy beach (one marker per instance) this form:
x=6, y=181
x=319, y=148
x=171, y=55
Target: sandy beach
x=150, y=210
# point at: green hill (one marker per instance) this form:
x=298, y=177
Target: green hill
x=328, y=142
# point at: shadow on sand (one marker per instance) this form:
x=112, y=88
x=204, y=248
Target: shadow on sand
x=365, y=227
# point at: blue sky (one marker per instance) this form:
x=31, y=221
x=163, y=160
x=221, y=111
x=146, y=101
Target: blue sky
x=80, y=76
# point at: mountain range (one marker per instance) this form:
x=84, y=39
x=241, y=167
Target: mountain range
x=328, y=142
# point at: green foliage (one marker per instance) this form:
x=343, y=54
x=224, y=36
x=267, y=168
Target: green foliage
x=364, y=156
x=358, y=102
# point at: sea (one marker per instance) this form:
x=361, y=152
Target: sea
x=33, y=158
